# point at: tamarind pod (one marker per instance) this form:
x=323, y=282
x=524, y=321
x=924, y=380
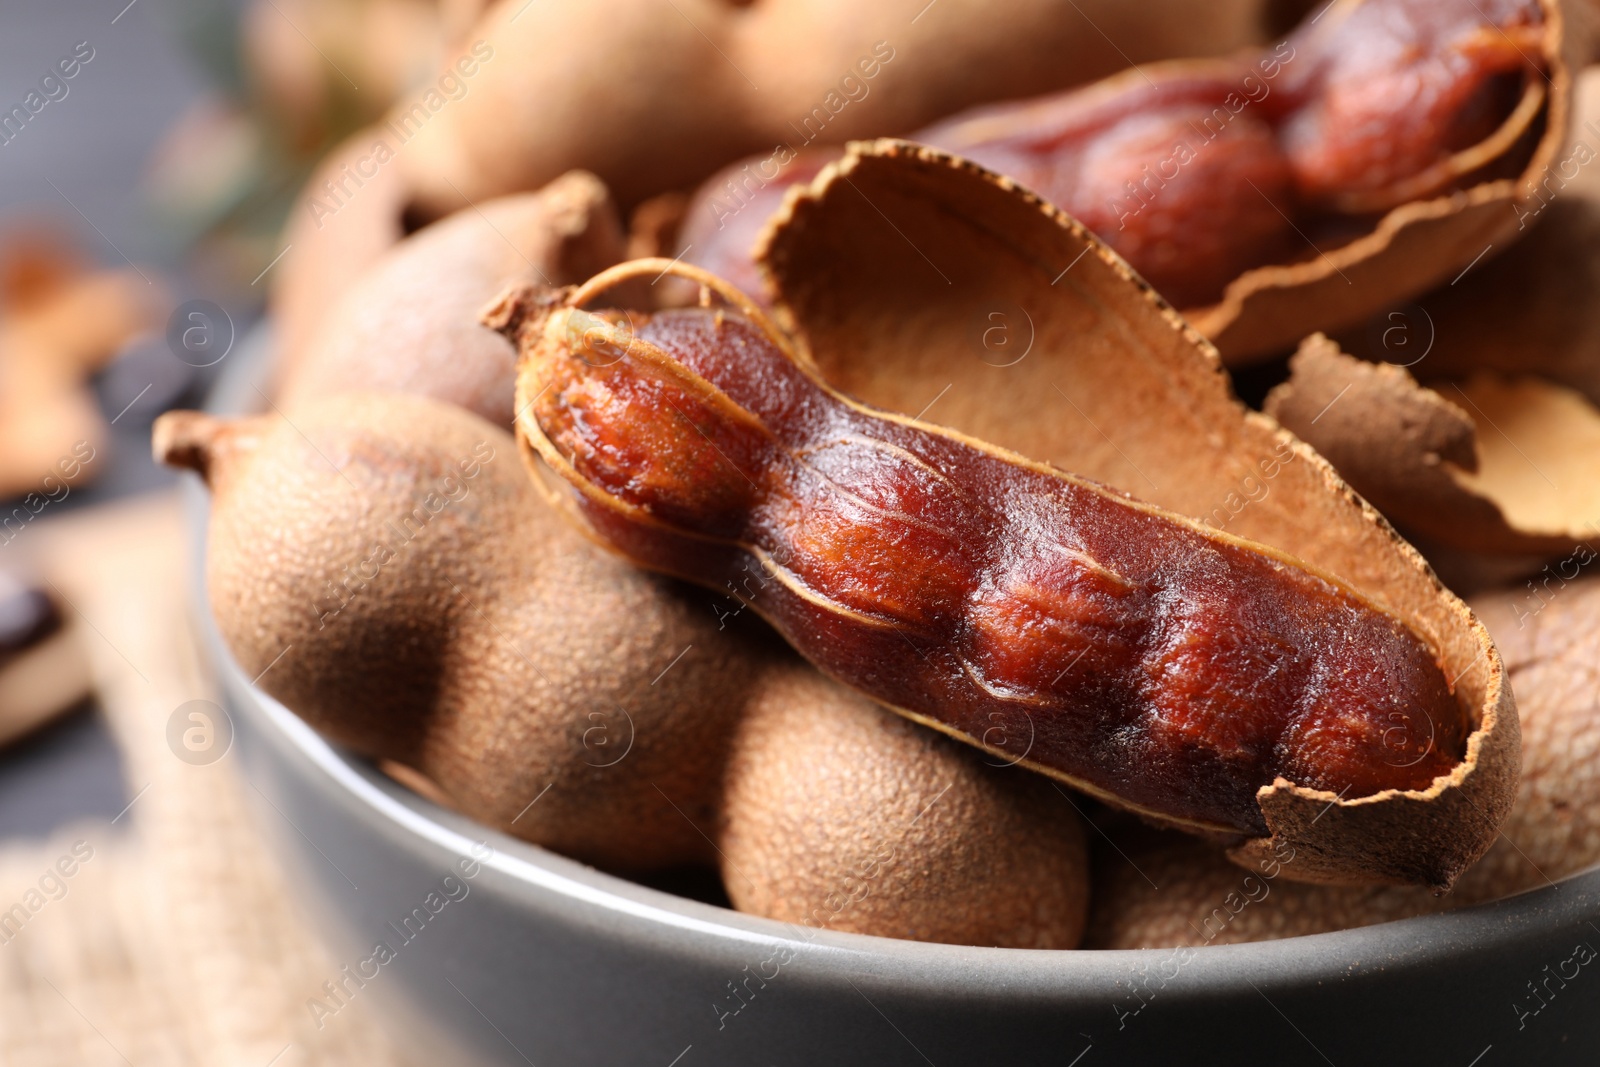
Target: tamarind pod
x=1116, y=156
x=838, y=813
x=886, y=268
x=351, y=211
x=1399, y=99
x=1169, y=668
x=430, y=609
x=407, y=322
x=708, y=81
x=1373, y=103
x=1184, y=182
x=1239, y=186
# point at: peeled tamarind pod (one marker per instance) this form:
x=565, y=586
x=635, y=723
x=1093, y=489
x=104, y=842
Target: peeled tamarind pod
x=1161, y=665
x=842, y=815
x=429, y=608
x=1400, y=99
x=409, y=323
x=1199, y=171
x=1215, y=216
x=1550, y=641
x=1232, y=185
x=1190, y=201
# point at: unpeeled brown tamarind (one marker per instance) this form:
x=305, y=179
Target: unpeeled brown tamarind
x=838, y=813
x=409, y=323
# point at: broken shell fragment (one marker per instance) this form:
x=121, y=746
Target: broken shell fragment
x=1491, y=463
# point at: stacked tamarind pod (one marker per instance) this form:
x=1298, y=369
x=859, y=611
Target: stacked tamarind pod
x=435, y=606
x=1270, y=193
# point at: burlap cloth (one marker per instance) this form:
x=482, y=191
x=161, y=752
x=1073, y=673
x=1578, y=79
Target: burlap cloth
x=176, y=941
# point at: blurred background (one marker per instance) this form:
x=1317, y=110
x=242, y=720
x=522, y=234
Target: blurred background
x=147, y=191
x=149, y=152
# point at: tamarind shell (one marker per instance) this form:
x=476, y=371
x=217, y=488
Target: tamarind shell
x=887, y=269
x=1489, y=464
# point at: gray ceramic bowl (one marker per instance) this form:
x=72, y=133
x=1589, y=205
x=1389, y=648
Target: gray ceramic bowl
x=536, y=959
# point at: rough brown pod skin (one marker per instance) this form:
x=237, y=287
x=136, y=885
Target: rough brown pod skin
x=461, y=653
x=1553, y=829
x=888, y=281
x=507, y=659
x=409, y=323
x=953, y=851
x=327, y=253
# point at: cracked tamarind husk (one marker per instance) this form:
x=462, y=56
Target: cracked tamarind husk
x=524, y=106
x=1164, y=891
x=1168, y=668
x=409, y=323
x=1306, y=186
x=921, y=284
x=426, y=608
x=1488, y=463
